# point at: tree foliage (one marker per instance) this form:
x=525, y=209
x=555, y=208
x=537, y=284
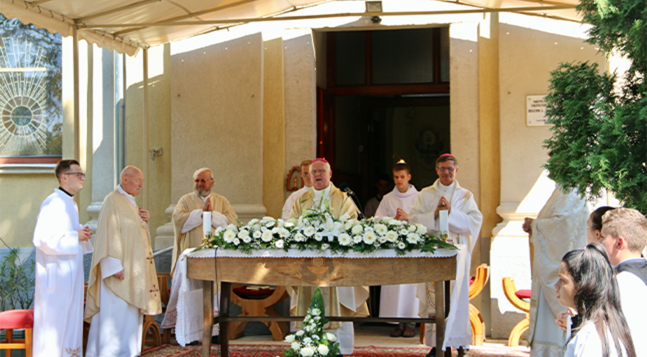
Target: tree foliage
x=599, y=136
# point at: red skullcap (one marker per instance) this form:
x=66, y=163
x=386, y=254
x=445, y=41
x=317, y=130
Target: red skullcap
x=448, y=154
x=319, y=159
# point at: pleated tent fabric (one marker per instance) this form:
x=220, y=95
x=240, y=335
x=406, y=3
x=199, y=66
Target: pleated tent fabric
x=129, y=25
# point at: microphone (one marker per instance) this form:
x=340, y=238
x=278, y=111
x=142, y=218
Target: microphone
x=344, y=187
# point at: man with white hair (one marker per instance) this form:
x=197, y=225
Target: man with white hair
x=187, y=217
x=123, y=280
x=342, y=301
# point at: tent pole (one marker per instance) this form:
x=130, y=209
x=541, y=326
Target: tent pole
x=75, y=61
x=145, y=129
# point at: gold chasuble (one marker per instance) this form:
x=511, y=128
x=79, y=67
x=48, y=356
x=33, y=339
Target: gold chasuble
x=123, y=235
x=343, y=301
x=183, y=209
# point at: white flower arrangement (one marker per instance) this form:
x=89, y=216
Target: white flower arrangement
x=318, y=230
x=313, y=341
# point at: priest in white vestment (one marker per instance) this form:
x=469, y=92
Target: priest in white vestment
x=123, y=281
x=559, y=228
x=60, y=243
x=399, y=300
x=187, y=216
x=342, y=301
x=464, y=221
x=307, y=184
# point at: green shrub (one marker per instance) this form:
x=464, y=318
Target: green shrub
x=16, y=281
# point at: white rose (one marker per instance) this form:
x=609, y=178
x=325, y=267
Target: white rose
x=325, y=246
x=395, y=222
x=401, y=245
x=247, y=239
x=283, y=233
x=296, y=346
x=299, y=237
x=331, y=337
x=268, y=219
x=229, y=236
x=369, y=237
x=269, y=224
x=218, y=230
x=323, y=350
x=315, y=311
x=357, y=229
x=300, y=333
x=412, y=238
x=289, y=338
x=403, y=232
x=232, y=227
x=243, y=233
x=357, y=239
x=309, y=231
x=236, y=241
x=382, y=239
x=344, y=239
x=307, y=328
x=307, y=351
x=253, y=221
x=279, y=244
x=257, y=234
x=391, y=236
x=420, y=229
x=318, y=237
x=381, y=229
x=275, y=230
x=348, y=224
x=267, y=236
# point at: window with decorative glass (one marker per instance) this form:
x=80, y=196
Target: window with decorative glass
x=30, y=94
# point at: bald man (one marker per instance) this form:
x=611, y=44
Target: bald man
x=123, y=281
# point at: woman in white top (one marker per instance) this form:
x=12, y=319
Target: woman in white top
x=587, y=284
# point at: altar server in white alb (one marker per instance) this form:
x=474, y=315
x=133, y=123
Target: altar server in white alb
x=464, y=223
x=399, y=300
x=307, y=184
x=188, y=213
x=123, y=281
x=60, y=243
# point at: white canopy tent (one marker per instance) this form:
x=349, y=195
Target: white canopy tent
x=126, y=26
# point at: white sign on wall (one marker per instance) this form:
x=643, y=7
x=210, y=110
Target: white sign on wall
x=536, y=111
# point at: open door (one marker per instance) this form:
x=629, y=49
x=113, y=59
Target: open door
x=325, y=125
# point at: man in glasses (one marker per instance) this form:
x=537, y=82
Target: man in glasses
x=60, y=243
x=187, y=216
x=464, y=225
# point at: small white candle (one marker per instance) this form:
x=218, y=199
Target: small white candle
x=206, y=222
x=444, y=227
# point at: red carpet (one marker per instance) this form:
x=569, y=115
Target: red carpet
x=277, y=350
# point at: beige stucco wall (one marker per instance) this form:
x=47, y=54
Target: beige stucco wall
x=216, y=111
x=158, y=179
x=529, y=49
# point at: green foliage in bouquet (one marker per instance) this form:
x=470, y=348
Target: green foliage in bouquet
x=599, y=136
x=320, y=230
x=313, y=340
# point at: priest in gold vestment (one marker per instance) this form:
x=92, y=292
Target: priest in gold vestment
x=187, y=217
x=123, y=282
x=342, y=301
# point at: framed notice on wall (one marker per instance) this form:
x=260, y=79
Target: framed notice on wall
x=536, y=111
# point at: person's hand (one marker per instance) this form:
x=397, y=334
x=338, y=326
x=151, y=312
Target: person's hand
x=401, y=215
x=443, y=204
x=84, y=234
x=527, y=225
x=145, y=215
x=207, y=206
x=562, y=318
x=119, y=275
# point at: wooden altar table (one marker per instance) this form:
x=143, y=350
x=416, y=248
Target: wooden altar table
x=316, y=271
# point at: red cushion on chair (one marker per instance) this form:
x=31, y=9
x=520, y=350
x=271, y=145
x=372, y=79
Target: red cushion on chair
x=523, y=294
x=244, y=292
x=472, y=280
x=17, y=319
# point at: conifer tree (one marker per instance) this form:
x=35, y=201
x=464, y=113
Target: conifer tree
x=600, y=120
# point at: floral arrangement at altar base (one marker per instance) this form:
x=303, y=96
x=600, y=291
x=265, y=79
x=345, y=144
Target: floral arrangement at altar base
x=313, y=340
x=318, y=229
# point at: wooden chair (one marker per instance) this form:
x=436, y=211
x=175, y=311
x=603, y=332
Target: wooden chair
x=17, y=319
x=165, y=296
x=476, y=320
x=255, y=306
x=516, y=297
x=477, y=283
x=152, y=335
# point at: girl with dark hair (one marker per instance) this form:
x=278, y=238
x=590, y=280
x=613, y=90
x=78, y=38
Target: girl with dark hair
x=587, y=283
x=594, y=224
